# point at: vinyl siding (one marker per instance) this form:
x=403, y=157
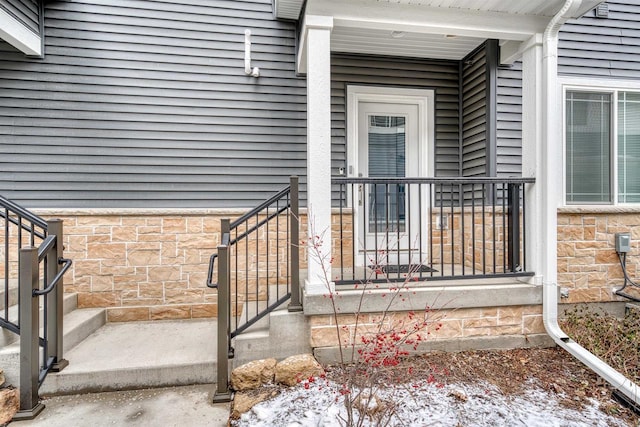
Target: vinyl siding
x=602, y=47
x=474, y=116
x=25, y=11
x=589, y=47
x=145, y=104
x=509, y=121
x=442, y=76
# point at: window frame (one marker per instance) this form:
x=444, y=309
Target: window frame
x=596, y=86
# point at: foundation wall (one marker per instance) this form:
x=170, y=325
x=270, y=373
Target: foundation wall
x=440, y=324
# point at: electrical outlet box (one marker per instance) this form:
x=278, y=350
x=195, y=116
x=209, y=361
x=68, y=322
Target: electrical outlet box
x=623, y=242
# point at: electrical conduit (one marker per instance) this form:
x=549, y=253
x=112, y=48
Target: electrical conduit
x=551, y=164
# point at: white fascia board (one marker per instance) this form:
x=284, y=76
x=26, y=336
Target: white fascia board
x=511, y=50
x=310, y=22
x=429, y=20
x=18, y=35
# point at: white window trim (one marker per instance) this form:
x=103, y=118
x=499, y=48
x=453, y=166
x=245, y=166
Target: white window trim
x=595, y=85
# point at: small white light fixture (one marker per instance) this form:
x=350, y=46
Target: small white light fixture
x=397, y=34
x=255, y=71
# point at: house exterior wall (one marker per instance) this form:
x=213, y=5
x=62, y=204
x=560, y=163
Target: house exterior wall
x=475, y=107
x=601, y=48
x=146, y=104
x=442, y=76
x=25, y=11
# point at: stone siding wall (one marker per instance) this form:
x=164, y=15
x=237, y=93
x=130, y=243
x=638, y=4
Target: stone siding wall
x=588, y=265
x=441, y=324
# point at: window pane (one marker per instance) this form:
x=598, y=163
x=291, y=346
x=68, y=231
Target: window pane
x=386, y=159
x=628, y=147
x=588, y=147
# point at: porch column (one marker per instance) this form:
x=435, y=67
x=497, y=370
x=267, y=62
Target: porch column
x=532, y=140
x=317, y=52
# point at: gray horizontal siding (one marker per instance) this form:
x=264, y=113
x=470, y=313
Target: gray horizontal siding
x=588, y=47
x=25, y=11
x=509, y=121
x=609, y=47
x=145, y=104
x=442, y=76
x=474, y=117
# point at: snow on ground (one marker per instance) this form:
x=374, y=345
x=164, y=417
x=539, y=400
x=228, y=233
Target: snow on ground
x=320, y=404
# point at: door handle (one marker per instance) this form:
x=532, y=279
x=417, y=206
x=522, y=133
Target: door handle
x=360, y=190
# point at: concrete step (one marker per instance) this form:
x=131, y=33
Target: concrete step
x=139, y=355
x=286, y=334
x=78, y=325
x=251, y=308
x=70, y=303
x=12, y=292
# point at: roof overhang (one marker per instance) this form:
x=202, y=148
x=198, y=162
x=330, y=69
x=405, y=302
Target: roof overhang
x=439, y=29
x=18, y=35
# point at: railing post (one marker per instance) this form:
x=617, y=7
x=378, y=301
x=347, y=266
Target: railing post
x=294, y=226
x=514, y=227
x=55, y=299
x=222, y=393
x=30, y=406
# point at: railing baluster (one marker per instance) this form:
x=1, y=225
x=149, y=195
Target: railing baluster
x=462, y=215
x=473, y=252
x=493, y=226
x=452, y=229
x=473, y=228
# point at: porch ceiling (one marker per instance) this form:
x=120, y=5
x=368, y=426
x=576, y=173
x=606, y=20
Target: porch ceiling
x=441, y=29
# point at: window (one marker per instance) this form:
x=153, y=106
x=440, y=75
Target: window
x=602, y=141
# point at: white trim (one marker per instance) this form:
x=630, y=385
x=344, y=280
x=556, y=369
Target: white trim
x=18, y=35
x=310, y=22
x=423, y=98
x=612, y=87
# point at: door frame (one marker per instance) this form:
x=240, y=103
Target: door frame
x=424, y=99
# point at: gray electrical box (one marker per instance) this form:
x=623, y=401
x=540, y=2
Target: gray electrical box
x=623, y=242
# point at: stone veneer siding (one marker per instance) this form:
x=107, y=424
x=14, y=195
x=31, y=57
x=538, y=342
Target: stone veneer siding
x=142, y=265
x=456, y=323
x=149, y=264
x=588, y=265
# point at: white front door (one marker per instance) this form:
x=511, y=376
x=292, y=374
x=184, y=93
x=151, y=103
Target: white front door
x=390, y=139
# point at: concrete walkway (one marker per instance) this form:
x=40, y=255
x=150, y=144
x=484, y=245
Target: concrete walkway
x=187, y=406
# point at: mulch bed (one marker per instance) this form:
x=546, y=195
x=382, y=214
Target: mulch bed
x=512, y=372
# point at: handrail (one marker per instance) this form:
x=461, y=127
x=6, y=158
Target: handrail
x=23, y=212
x=45, y=247
x=273, y=251
x=41, y=351
x=67, y=264
x=433, y=180
x=25, y=226
x=260, y=207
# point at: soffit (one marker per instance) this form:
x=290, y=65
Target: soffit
x=439, y=29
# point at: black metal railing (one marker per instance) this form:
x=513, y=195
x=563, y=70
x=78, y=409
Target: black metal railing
x=420, y=229
x=32, y=274
x=258, y=270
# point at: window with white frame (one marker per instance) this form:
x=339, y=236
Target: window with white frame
x=602, y=146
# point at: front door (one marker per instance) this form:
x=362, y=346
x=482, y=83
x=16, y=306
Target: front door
x=390, y=141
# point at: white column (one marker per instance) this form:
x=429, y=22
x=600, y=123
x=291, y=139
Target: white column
x=532, y=97
x=318, y=65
